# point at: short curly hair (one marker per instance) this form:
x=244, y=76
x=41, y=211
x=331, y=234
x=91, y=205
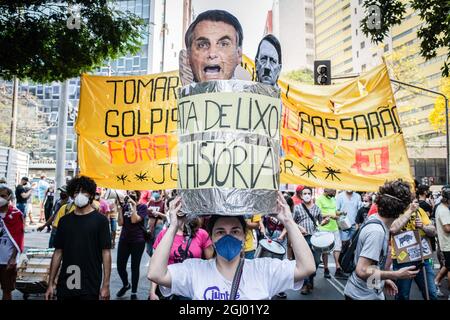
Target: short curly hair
x=393, y=198
x=81, y=183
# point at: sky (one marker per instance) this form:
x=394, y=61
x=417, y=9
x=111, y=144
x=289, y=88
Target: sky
x=251, y=14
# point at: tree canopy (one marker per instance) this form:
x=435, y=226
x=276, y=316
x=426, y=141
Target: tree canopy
x=48, y=41
x=434, y=33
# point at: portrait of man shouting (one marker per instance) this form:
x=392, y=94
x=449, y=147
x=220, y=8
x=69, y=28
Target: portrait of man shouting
x=214, y=45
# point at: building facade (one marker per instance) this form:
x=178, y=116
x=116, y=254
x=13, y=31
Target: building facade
x=292, y=22
x=49, y=94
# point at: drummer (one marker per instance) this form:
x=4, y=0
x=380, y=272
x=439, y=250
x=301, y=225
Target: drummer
x=213, y=279
x=308, y=216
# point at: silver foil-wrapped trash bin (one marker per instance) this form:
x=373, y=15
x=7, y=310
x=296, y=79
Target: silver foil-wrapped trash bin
x=228, y=148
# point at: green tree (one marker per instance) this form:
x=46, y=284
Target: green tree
x=48, y=41
x=434, y=33
x=304, y=76
x=437, y=115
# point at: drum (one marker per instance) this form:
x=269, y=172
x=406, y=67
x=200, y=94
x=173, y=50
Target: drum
x=270, y=249
x=322, y=241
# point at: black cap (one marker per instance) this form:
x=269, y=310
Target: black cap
x=25, y=178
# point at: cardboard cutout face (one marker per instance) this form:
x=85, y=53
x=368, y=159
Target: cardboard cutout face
x=214, y=53
x=268, y=65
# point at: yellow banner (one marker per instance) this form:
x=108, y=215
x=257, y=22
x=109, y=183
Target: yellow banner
x=126, y=130
x=343, y=136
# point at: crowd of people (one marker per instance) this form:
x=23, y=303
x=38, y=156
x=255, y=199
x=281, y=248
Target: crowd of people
x=85, y=219
x=219, y=257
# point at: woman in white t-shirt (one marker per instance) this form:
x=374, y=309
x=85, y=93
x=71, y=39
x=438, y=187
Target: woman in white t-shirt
x=212, y=279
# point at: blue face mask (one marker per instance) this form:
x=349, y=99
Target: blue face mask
x=156, y=196
x=228, y=247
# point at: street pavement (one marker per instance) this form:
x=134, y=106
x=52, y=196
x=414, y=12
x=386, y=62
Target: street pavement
x=324, y=289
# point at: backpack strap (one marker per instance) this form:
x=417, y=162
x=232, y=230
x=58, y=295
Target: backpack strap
x=374, y=221
x=309, y=214
x=237, y=279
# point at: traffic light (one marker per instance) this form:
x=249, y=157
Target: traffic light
x=322, y=72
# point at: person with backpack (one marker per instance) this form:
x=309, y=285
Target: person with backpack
x=308, y=217
x=366, y=253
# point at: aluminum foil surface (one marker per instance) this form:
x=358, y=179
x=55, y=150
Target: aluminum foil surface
x=222, y=200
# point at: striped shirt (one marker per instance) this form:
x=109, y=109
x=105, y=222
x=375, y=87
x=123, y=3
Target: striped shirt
x=302, y=218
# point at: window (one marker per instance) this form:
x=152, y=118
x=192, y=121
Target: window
x=129, y=64
x=363, y=67
x=309, y=28
x=363, y=45
x=374, y=55
x=356, y=31
x=386, y=48
x=356, y=11
x=357, y=53
x=402, y=34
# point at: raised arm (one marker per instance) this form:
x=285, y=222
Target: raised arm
x=401, y=221
x=305, y=265
x=158, y=271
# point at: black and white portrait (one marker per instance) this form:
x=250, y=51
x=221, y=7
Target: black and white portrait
x=268, y=60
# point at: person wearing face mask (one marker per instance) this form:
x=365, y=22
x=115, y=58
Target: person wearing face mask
x=11, y=241
x=131, y=242
x=363, y=212
x=101, y=204
x=327, y=204
x=23, y=193
x=308, y=217
x=57, y=213
x=82, y=248
x=229, y=276
x=156, y=217
x=191, y=241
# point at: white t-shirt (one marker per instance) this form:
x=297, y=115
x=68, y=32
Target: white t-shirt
x=443, y=218
x=262, y=278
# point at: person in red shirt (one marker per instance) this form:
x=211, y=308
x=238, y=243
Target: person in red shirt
x=297, y=198
x=145, y=196
x=373, y=209
x=11, y=241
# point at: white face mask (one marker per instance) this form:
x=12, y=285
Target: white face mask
x=81, y=200
x=3, y=202
x=307, y=198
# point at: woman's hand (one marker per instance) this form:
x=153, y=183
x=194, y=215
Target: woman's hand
x=284, y=212
x=175, y=214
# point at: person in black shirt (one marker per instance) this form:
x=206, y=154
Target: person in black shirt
x=23, y=193
x=361, y=216
x=83, y=244
x=422, y=195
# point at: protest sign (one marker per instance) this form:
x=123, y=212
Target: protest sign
x=228, y=149
x=126, y=130
x=345, y=136
x=410, y=247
